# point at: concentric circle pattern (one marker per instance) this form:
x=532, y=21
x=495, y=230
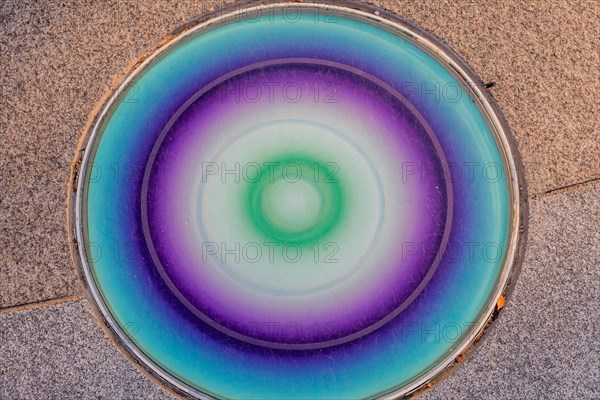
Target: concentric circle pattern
x=297, y=201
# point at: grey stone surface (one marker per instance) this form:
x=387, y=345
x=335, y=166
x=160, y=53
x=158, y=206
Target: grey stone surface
x=57, y=59
x=59, y=352
x=546, y=343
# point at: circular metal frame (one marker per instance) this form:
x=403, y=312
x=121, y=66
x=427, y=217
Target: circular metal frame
x=511, y=264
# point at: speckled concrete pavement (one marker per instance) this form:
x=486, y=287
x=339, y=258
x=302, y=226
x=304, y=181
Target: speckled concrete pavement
x=57, y=59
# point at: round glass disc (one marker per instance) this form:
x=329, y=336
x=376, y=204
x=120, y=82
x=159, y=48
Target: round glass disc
x=297, y=200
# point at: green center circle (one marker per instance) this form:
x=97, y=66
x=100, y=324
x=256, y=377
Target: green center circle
x=291, y=207
x=295, y=200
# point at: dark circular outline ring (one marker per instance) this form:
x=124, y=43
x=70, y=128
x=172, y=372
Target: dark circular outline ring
x=513, y=259
x=312, y=345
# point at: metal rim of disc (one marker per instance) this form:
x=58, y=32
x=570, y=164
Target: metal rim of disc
x=384, y=20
